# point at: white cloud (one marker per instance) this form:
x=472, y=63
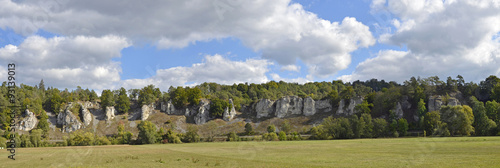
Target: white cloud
x=444, y=38
x=214, y=69
x=67, y=62
x=294, y=68
x=281, y=30
x=299, y=80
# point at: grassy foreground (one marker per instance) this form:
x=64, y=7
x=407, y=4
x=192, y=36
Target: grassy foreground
x=401, y=152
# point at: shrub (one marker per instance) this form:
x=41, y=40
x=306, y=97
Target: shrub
x=270, y=136
x=233, y=137
x=249, y=129
x=191, y=135
x=147, y=132
x=282, y=136
x=271, y=128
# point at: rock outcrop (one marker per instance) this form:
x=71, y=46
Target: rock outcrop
x=264, y=108
x=67, y=120
x=203, y=111
x=110, y=113
x=29, y=122
x=289, y=105
x=146, y=110
x=309, y=107
x=229, y=113
x=435, y=102
x=85, y=114
x=168, y=107
x=323, y=106
x=348, y=110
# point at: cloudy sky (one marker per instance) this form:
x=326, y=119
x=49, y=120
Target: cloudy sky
x=110, y=44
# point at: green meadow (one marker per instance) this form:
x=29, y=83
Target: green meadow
x=396, y=152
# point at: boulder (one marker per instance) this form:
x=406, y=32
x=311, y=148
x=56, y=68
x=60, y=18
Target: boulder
x=229, y=114
x=29, y=122
x=309, y=107
x=110, y=113
x=349, y=110
x=202, y=116
x=322, y=106
x=264, y=108
x=68, y=121
x=146, y=110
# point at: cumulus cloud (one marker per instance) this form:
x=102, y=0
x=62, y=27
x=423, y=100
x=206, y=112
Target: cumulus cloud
x=67, y=61
x=213, y=69
x=299, y=80
x=293, y=68
x=281, y=30
x=444, y=38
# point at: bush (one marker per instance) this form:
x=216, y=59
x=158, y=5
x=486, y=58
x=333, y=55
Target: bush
x=249, y=129
x=270, y=136
x=271, y=128
x=191, y=135
x=233, y=137
x=172, y=137
x=147, y=132
x=282, y=136
x=294, y=136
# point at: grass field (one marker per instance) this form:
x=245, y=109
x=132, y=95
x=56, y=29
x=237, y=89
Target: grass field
x=400, y=152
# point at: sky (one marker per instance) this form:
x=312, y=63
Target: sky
x=111, y=44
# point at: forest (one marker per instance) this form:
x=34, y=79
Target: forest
x=477, y=115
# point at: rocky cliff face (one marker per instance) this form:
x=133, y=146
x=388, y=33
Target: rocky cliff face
x=110, y=113
x=309, y=107
x=29, y=122
x=168, y=107
x=264, y=108
x=435, y=102
x=67, y=120
x=349, y=109
x=229, y=113
x=86, y=116
x=289, y=105
x=203, y=115
x=146, y=110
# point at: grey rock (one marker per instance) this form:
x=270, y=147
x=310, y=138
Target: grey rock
x=146, y=110
x=29, y=122
x=202, y=116
x=170, y=108
x=110, y=113
x=264, y=108
x=289, y=105
x=435, y=103
x=86, y=115
x=399, y=111
x=309, y=107
x=323, y=106
x=229, y=114
x=68, y=120
x=349, y=110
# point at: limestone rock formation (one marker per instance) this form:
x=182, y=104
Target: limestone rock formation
x=110, y=113
x=399, y=111
x=68, y=120
x=309, y=107
x=85, y=114
x=229, y=114
x=264, y=108
x=146, y=110
x=435, y=102
x=323, y=106
x=349, y=110
x=169, y=107
x=29, y=122
x=289, y=105
x=202, y=116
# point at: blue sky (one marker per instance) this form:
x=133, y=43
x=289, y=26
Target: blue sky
x=182, y=43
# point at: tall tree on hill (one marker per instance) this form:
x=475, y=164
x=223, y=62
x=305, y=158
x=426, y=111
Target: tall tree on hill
x=123, y=102
x=107, y=99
